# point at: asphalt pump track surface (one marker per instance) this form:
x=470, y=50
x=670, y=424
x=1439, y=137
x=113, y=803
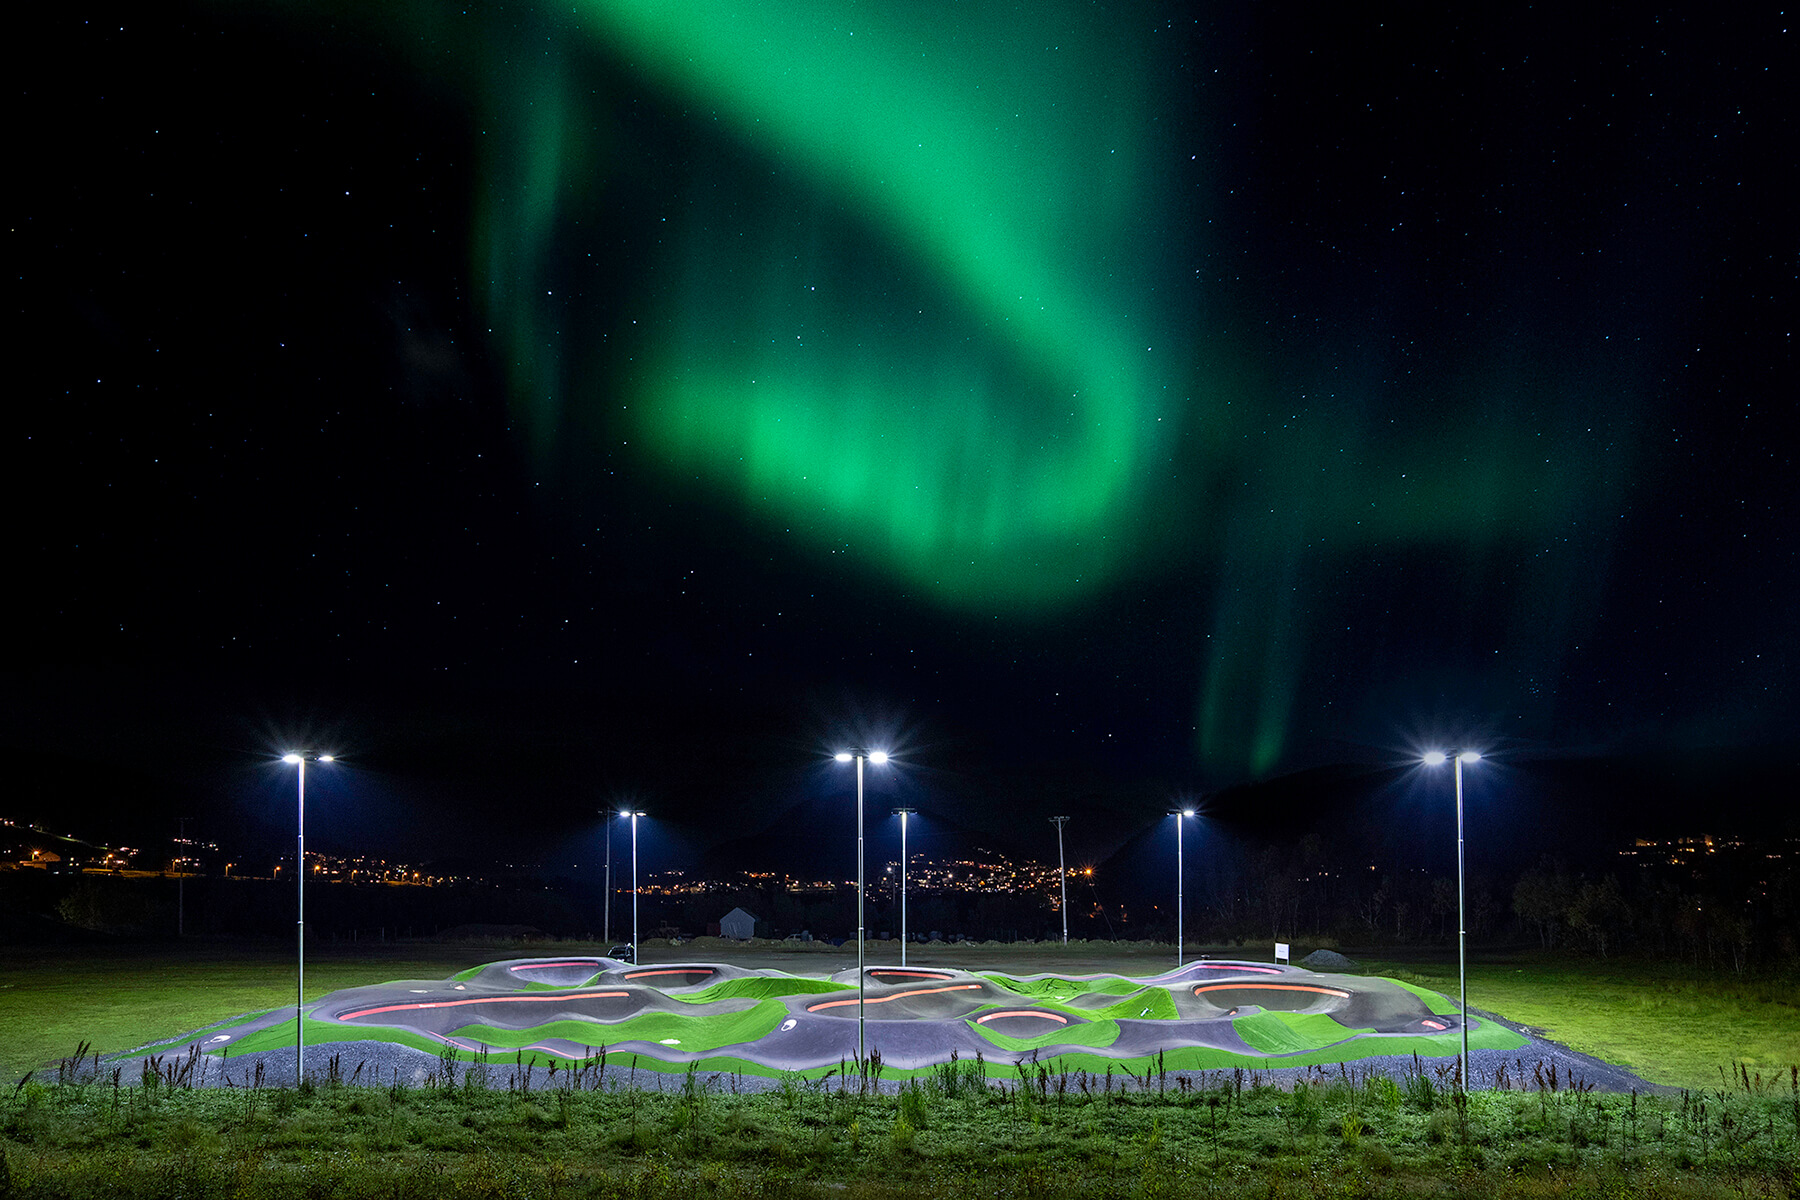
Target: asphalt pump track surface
x=1207, y=1015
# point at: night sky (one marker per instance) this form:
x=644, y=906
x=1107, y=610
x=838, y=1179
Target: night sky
x=551, y=408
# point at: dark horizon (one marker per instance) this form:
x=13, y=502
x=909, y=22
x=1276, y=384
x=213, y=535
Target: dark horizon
x=1582, y=811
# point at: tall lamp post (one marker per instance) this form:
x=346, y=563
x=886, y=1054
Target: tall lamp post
x=903, y=813
x=1062, y=873
x=1436, y=758
x=877, y=757
x=634, y=815
x=295, y=759
x=1179, y=814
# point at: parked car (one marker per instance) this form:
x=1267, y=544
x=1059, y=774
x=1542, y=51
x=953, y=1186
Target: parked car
x=622, y=953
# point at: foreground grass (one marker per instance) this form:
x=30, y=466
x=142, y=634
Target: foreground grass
x=1667, y=1023
x=950, y=1137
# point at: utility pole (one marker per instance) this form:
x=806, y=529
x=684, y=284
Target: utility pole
x=606, y=903
x=181, y=879
x=1062, y=874
x=903, y=813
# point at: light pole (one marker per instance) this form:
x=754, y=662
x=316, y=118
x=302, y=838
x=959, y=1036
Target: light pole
x=606, y=897
x=1062, y=873
x=903, y=813
x=634, y=815
x=1435, y=758
x=1178, y=814
x=877, y=757
x=300, y=760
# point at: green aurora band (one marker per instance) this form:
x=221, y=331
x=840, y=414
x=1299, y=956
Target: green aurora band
x=932, y=340
x=919, y=289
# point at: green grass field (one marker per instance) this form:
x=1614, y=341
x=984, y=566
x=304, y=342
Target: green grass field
x=1670, y=1024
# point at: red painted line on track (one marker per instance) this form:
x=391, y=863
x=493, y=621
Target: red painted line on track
x=672, y=971
x=586, y=962
x=1268, y=987
x=911, y=974
x=955, y=987
x=538, y=999
x=1022, y=1012
x=1240, y=970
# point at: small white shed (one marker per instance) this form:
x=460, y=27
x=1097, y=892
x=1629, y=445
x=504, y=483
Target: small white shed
x=738, y=925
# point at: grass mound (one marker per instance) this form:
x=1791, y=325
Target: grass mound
x=1151, y=1004
x=1276, y=1032
x=1097, y=1034
x=1054, y=989
x=690, y=1033
x=761, y=987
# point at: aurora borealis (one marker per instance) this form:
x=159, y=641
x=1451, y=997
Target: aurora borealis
x=1150, y=395
x=940, y=329
x=919, y=298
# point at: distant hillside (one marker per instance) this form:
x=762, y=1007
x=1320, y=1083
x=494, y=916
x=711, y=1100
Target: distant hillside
x=817, y=839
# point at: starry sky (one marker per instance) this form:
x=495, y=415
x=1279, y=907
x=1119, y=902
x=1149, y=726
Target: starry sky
x=551, y=407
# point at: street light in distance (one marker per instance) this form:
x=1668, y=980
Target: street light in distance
x=878, y=757
x=294, y=758
x=903, y=813
x=1437, y=758
x=634, y=815
x=1180, y=814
